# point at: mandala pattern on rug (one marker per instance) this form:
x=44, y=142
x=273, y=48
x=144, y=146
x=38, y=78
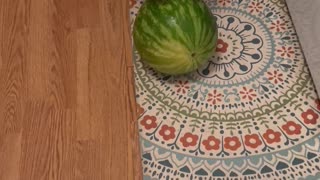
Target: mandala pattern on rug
x=239, y=47
x=251, y=112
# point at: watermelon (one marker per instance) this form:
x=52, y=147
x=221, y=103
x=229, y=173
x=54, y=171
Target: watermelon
x=175, y=36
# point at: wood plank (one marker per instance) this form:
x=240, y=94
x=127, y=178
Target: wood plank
x=67, y=108
x=12, y=86
x=47, y=142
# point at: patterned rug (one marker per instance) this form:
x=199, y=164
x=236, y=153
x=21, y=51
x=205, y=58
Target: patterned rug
x=251, y=112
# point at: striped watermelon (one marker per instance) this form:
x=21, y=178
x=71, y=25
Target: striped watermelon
x=175, y=36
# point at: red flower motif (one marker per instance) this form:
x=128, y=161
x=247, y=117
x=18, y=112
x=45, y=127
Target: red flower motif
x=310, y=117
x=189, y=140
x=318, y=104
x=211, y=143
x=221, y=46
x=252, y=140
x=247, y=93
x=224, y=2
x=132, y=3
x=272, y=136
x=255, y=7
x=182, y=87
x=278, y=26
x=232, y=143
x=149, y=122
x=275, y=76
x=214, y=97
x=167, y=132
x=140, y=110
x=292, y=128
x=286, y=51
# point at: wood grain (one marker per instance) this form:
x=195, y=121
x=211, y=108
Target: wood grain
x=67, y=108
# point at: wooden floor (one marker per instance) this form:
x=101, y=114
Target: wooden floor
x=66, y=91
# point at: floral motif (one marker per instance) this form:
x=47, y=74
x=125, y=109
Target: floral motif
x=286, y=52
x=275, y=76
x=211, y=143
x=272, y=136
x=167, y=132
x=310, y=117
x=182, y=86
x=189, y=139
x=224, y=2
x=232, y=143
x=140, y=110
x=252, y=140
x=214, y=97
x=255, y=6
x=149, y=122
x=132, y=3
x=278, y=26
x=292, y=128
x=221, y=46
x=247, y=93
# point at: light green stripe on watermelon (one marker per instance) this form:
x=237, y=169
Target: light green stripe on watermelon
x=175, y=36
